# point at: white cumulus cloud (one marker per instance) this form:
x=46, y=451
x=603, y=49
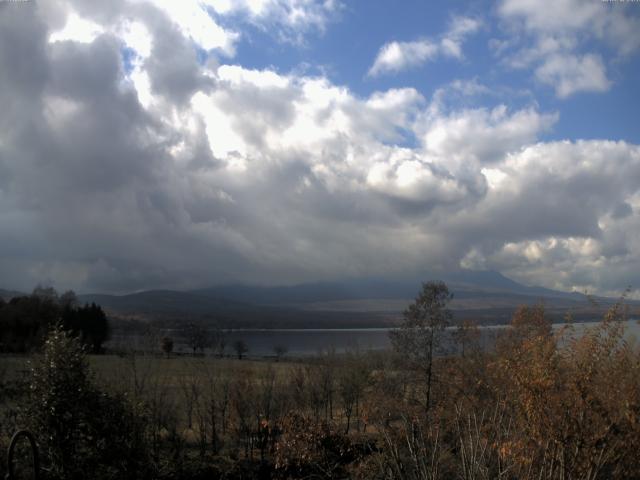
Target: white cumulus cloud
x=396, y=56
x=562, y=41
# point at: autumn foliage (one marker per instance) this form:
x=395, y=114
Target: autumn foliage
x=536, y=403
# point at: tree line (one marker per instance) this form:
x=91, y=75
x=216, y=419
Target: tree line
x=26, y=320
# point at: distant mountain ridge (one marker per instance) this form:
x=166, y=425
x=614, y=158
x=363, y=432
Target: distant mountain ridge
x=9, y=294
x=458, y=282
x=485, y=295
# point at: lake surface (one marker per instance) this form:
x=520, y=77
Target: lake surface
x=304, y=342
x=307, y=342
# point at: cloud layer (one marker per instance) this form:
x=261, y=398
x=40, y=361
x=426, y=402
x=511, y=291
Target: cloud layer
x=127, y=162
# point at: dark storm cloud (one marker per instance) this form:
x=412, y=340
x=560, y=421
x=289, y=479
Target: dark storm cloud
x=173, y=65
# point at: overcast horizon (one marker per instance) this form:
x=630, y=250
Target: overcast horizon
x=150, y=144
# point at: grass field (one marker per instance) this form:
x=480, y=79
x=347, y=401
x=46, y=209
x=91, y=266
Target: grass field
x=534, y=404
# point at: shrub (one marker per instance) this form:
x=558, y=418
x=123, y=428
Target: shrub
x=83, y=432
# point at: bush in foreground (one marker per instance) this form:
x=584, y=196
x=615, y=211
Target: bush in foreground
x=83, y=432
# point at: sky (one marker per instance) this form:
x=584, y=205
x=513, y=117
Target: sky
x=181, y=144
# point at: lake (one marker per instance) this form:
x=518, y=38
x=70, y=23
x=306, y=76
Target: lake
x=308, y=342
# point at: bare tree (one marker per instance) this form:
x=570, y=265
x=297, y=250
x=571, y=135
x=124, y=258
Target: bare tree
x=218, y=341
x=240, y=348
x=327, y=382
x=243, y=406
x=420, y=334
x=196, y=336
x=166, y=344
x=312, y=387
x=264, y=408
x=189, y=383
x=352, y=381
x=280, y=351
x=213, y=409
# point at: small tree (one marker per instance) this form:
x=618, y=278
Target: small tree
x=45, y=293
x=60, y=389
x=352, y=380
x=196, y=337
x=218, y=341
x=83, y=431
x=69, y=299
x=240, y=348
x=166, y=344
x=420, y=334
x=280, y=351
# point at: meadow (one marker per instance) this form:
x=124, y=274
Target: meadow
x=541, y=404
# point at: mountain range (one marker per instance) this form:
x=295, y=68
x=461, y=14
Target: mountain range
x=485, y=296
